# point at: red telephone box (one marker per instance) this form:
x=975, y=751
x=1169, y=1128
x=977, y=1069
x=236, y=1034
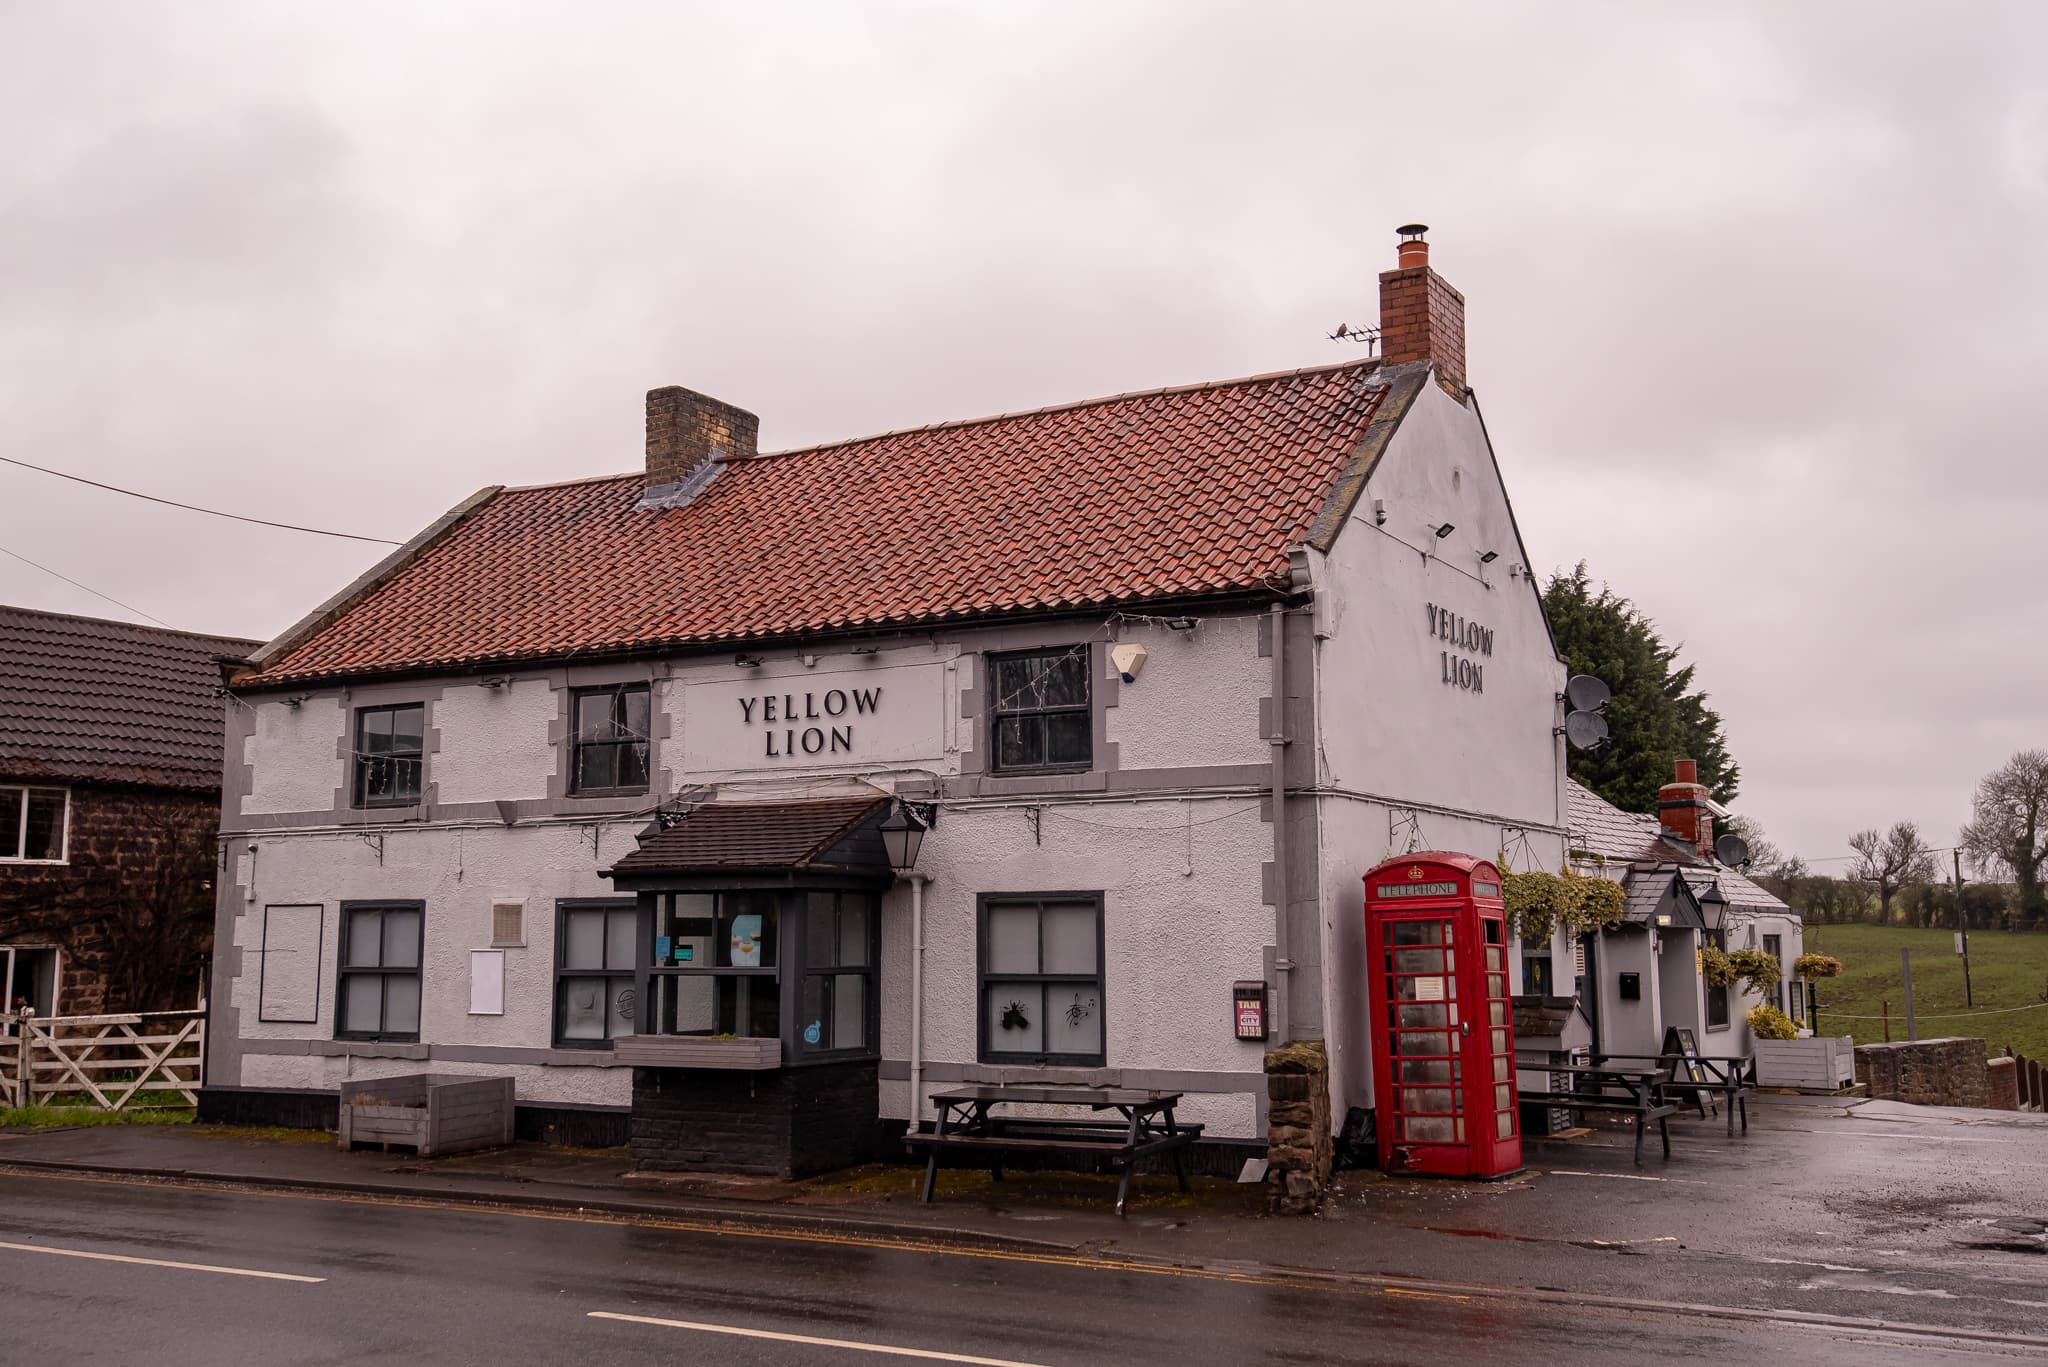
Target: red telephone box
x=1443, y=1047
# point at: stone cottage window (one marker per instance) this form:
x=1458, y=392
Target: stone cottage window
x=1041, y=718
x=390, y=748
x=34, y=824
x=610, y=740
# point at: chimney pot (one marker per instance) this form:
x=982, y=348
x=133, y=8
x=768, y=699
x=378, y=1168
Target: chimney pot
x=1682, y=809
x=1413, y=250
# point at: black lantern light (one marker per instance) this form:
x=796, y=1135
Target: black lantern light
x=903, y=832
x=1714, y=907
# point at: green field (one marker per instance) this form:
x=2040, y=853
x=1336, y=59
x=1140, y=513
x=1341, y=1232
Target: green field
x=2006, y=971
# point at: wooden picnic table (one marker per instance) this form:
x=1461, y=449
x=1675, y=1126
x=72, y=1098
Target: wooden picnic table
x=968, y=1121
x=1625, y=1091
x=1699, y=1076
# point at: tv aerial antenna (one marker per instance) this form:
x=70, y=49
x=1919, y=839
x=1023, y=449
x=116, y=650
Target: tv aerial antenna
x=1347, y=333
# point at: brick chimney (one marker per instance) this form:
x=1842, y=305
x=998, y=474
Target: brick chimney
x=1682, y=809
x=1421, y=317
x=686, y=430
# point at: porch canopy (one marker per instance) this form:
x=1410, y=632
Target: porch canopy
x=820, y=842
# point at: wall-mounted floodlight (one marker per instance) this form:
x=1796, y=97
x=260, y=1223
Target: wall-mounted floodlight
x=747, y=661
x=1180, y=624
x=1489, y=557
x=1445, y=530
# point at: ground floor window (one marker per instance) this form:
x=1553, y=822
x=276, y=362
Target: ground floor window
x=29, y=974
x=1717, y=997
x=597, y=950
x=1041, y=978
x=716, y=965
x=838, y=1004
x=379, y=990
x=1774, y=945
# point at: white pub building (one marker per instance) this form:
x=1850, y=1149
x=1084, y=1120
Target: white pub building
x=588, y=785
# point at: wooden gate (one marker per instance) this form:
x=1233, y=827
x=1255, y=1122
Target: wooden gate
x=108, y=1062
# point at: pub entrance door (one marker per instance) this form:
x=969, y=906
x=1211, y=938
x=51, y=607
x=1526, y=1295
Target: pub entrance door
x=1443, y=1047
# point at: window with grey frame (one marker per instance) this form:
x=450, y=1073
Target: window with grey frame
x=609, y=732
x=378, y=992
x=597, y=953
x=390, y=751
x=1774, y=945
x=1041, y=984
x=837, y=1008
x=1041, y=714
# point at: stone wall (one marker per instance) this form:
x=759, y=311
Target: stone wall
x=1928, y=1072
x=131, y=909
x=1298, y=1142
x=2004, y=1084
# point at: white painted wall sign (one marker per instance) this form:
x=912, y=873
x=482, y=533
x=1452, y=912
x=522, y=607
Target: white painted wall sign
x=878, y=715
x=487, y=982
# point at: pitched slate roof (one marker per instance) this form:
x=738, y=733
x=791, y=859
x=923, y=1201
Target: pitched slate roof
x=1597, y=826
x=1170, y=494
x=760, y=835
x=85, y=699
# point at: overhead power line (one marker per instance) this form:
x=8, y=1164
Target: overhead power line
x=125, y=607
x=193, y=508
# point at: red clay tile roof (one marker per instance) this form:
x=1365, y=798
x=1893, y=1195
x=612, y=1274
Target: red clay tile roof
x=1180, y=493
x=83, y=699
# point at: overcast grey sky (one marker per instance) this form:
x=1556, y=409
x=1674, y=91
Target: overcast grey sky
x=1758, y=296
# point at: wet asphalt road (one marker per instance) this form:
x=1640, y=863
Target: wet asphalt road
x=428, y=1284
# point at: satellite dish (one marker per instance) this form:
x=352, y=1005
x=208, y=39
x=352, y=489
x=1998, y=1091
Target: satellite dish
x=1732, y=850
x=1586, y=693
x=1585, y=730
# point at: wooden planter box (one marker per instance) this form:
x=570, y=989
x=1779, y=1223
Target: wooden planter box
x=1821, y=1063
x=433, y=1113
x=698, y=1051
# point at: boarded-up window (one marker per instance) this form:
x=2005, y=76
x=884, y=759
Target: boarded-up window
x=289, y=972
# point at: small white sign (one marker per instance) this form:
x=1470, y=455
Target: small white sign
x=1959, y=942
x=1429, y=989
x=487, y=982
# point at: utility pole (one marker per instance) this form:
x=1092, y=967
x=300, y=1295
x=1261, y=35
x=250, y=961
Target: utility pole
x=1962, y=929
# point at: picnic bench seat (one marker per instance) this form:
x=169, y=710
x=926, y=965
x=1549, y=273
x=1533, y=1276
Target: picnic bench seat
x=968, y=1123
x=1595, y=1089
x=1721, y=1080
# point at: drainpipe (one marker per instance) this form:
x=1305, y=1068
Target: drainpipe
x=917, y=882
x=1283, y=966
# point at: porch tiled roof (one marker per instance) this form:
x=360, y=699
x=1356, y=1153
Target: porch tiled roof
x=1170, y=494
x=751, y=835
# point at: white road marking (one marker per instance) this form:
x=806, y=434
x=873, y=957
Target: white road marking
x=159, y=1262
x=854, y=1344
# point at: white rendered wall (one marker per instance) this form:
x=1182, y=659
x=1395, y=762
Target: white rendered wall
x=1197, y=701
x=494, y=742
x=294, y=754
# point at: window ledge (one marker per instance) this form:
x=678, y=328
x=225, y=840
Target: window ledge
x=363, y=1048
x=684, y=1051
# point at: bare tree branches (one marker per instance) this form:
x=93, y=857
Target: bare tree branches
x=2007, y=835
x=1886, y=863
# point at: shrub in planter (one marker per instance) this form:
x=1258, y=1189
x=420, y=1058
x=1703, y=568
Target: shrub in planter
x=1768, y=1022
x=1811, y=965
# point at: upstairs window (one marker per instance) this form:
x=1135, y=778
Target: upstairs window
x=390, y=744
x=1041, y=718
x=610, y=740
x=34, y=825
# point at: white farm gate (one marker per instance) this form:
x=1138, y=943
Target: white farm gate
x=107, y=1062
